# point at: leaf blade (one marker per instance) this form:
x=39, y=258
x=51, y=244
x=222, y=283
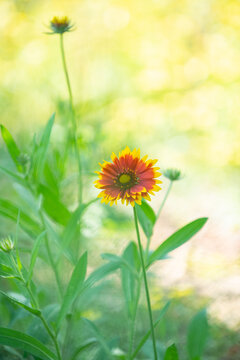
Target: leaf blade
x=177, y=239
x=12, y=147
x=74, y=287
x=171, y=353
x=19, y=340
x=197, y=334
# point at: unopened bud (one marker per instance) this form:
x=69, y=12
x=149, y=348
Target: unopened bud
x=172, y=174
x=6, y=244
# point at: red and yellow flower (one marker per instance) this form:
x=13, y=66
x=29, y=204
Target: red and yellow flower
x=128, y=177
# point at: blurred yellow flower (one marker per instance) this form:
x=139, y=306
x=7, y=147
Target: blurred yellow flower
x=60, y=25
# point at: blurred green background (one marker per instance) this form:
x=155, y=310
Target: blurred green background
x=159, y=75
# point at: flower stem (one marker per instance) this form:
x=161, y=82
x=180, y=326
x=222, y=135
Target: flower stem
x=52, y=335
x=165, y=198
x=145, y=283
x=73, y=119
x=52, y=263
x=133, y=320
x=34, y=304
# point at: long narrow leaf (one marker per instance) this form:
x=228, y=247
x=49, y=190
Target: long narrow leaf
x=53, y=206
x=21, y=304
x=74, y=287
x=34, y=255
x=17, y=178
x=6, y=271
x=177, y=239
x=197, y=335
x=100, y=338
x=146, y=336
x=53, y=235
x=101, y=272
x=40, y=152
x=11, y=146
x=10, y=210
x=21, y=341
x=146, y=217
x=83, y=347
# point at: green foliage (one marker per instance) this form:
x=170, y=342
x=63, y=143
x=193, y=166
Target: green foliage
x=146, y=217
x=130, y=284
x=33, y=311
x=177, y=239
x=12, y=147
x=146, y=336
x=197, y=335
x=50, y=224
x=40, y=151
x=171, y=353
x=19, y=340
x=74, y=287
x=34, y=255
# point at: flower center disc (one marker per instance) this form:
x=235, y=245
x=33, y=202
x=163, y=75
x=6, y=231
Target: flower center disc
x=124, y=178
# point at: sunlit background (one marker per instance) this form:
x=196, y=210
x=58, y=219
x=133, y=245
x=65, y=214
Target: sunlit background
x=161, y=75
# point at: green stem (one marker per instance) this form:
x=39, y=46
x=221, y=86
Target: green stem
x=145, y=284
x=147, y=248
x=74, y=123
x=133, y=321
x=52, y=263
x=34, y=304
x=165, y=198
x=53, y=337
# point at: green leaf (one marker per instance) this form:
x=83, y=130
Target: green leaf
x=100, y=273
x=171, y=353
x=197, y=335
x=146, y=217
x=53, y=206
x=12, y=147
x=74, y=287
x=33, y=311
x=10, y=210
x=177, y=239
x=72, y=225
x=83, y=347
x=129, y=282
x=146, y=336
x=40, y=152
x=19, y=340
x=34, y=255
x=6, y=271
x=18, y=178
x=53, y=235
x=99, y=337
x=119, y=259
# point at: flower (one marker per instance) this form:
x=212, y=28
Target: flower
x=60, y=25
x=127, y=177
x=172, y=174
x=6, y=244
